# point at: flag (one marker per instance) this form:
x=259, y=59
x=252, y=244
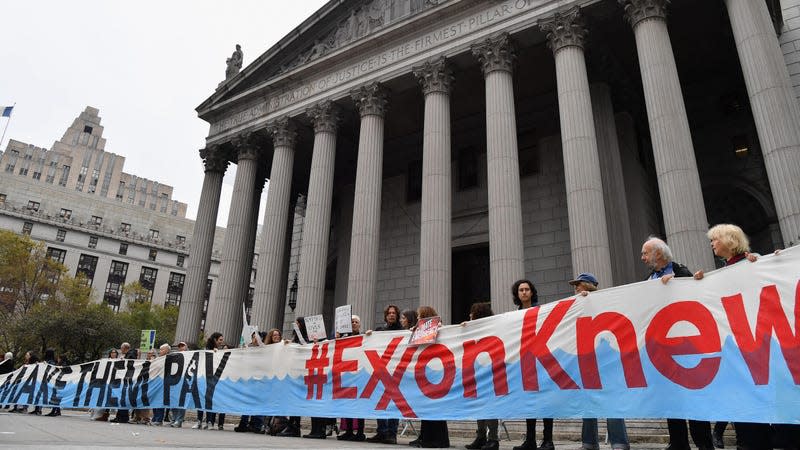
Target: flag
x=7, y=110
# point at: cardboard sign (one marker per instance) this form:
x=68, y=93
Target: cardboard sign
x=147, y=340
x=344, y=315
x=426, y=331
x=315, y=327
x=298, y=334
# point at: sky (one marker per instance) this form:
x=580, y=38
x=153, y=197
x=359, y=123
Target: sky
x=146, y=65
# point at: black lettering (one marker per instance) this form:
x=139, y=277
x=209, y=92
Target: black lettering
x=212, y=376
x=29, y=386
x=11, y=384
x=114, y=383
x=85, y=368
x=172, y=361
x=59, y=385
x=190, y=382
x=41, y=394
x=97, y=382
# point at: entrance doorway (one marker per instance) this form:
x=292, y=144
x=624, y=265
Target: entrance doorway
x=470, y=280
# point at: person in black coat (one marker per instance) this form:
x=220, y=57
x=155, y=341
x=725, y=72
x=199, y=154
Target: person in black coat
x=657, y=255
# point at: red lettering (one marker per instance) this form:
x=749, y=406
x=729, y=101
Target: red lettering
x=340, y=365
x=533, y=347
x=621, y=327
x=661, y=348
x=391, y=382
x=492, y=345
x=755, y=346
x=440, y=389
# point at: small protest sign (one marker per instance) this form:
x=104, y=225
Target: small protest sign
x=426, y=331
x=343, y=316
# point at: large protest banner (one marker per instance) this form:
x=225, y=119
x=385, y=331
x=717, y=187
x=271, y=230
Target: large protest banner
x=723, y=348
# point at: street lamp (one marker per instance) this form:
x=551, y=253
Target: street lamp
x=293, y=294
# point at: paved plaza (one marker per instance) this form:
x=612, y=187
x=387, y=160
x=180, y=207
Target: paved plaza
x=75, y=430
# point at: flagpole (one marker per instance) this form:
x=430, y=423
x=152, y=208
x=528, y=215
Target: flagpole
x=6, y=127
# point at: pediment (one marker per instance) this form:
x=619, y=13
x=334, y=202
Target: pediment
x=335, y=27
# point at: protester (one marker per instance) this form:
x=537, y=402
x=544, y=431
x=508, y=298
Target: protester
x=123, y=415
x=215, y=342
x=7, y=366
x=178, y=414
x=617, y=433
x=158, y=413
x=432, y=433
x=657, y=256
x=408, y=319
x=387, y=428
x=731, y=244
x=353, y=428
x=30, y=358
x=482, y=440
x=525, y=296
x=254, y=424
x=292, y=428
x=50, y=358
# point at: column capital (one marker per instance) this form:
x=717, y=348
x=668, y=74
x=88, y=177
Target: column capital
x=245, y=147
x=639, y=10
x=495, y=53
x=564, y=29
x=325, y=116
x=283, y=132
x=434, y=76
x=371, y=99
x=214, y=159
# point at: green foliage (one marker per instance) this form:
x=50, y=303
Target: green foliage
x=41, y=306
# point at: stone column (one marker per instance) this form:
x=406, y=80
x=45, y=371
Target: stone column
x=225, y=312
x=614, y=195
x=317, y=225
x=775, y=108
x=585, y=205
x=362, y=277
x=506, y=258
x=199, y=261
x=268, y=298
x=678, y=180
x=435, y=239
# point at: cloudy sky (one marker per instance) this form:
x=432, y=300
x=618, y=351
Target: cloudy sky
x=145, y=64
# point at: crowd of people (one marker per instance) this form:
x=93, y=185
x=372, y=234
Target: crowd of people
x=728, y=242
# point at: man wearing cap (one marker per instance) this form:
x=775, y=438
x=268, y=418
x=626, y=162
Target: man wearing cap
x=617, y=434
x=657, y=256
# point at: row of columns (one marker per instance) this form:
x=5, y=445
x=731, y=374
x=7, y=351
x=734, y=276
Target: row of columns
x=591, y=165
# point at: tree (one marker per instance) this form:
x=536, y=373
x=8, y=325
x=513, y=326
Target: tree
x=27, y=276
x=141, y=314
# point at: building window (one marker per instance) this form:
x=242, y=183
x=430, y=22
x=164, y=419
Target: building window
x=86, y=266
x=64, y=176
x=23, y=171
x=33, y=206
x=96, y=220
x=125, y=227
x=92, y=241
x=175, y=289
x=65, y=213
x=147, y=279
x=27, y=227
x=153, y=254
x=123, y=249
x=61, y=235
x=116, y=280
x=206, y=296
x=56, y=254
x=37, y=175
x=180, y=261
x=2, y=200
x=10, y=167
x=153, y=234
x=180, y=240
x=87, y=129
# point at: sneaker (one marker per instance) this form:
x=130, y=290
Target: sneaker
x=221, y=427
x=360, y=437
x=197, y=426
x=205, y=426
x=176, y=424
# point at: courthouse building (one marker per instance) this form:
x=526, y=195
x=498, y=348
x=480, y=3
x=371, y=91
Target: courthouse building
x=111, y=226
x=445, y=149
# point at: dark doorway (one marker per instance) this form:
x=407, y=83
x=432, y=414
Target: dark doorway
x=470, y=279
